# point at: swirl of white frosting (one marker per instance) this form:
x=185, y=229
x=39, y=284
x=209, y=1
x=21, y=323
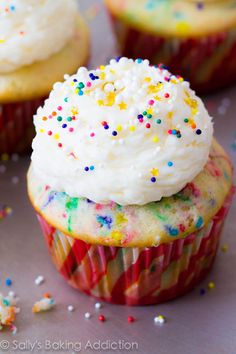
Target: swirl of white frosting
x=126, y=132
x=33, y=30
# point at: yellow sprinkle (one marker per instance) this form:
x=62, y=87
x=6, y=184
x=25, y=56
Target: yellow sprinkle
x=157, y=98
x=211, y=285
x=41, y=130
x=149, y=111
x=56, y=136
x=147, y=79
x=132, y=128
x=155, y=172
x=74, y=111
x=76, y=91
x=224, y=248
x=110, y=99
x=102, y=67
x=102, y=76
x=2, y=41
x=72, y=83
x=112, y=71
x=4, y=157
x=122, y=106
x=100, y=102
x=116, y=235
x=170, y=115
x=8, y=210
x=183, y=27
x=120, y=218
x=119, y=128
x=155, y=139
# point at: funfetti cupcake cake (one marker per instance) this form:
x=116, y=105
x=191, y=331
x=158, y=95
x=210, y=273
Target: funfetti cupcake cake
x=40, y=41
x=196, y=39
x=128, y=183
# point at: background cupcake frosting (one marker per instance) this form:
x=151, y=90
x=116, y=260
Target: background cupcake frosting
x=34, y=30
x=127, y=132
x=175, y=16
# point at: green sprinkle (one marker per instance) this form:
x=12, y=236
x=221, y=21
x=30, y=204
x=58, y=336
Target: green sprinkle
x=158, y=121
x=69, y=119
x=145, y=113
x=186, y=120
x=149, y=116
x=59, y=119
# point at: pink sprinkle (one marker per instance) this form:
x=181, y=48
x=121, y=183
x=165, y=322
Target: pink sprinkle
x=59, y=108
x=151, y=102
x=49, y=133
x=170, y=131
x=71, y=130
x=60, y=145
x=167, y=95
x=141, y=120
x=92, y=135
x=50, y=116
x=89, y=84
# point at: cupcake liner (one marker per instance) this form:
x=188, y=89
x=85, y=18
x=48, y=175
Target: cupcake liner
x=136, y=276
x=207, y=62
x=16, y=125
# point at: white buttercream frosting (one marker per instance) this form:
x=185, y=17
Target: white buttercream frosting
x=126, y=132
x=33, y=30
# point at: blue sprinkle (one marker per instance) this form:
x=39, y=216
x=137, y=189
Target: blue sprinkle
x=170, y=163
x=139, y=60
x=8, y=282
x=104, y=221
x=199, y=222
x=173, y=232
x=118, y=59
x=91, y=168
x=202, y=291
x=6, y=302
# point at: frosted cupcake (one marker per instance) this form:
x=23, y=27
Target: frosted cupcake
x=40, y=41
x=128, y=183
x=196, y=39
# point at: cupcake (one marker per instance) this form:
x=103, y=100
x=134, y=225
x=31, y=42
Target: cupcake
x=40, y=41
x=128, y=183
x=196, y=39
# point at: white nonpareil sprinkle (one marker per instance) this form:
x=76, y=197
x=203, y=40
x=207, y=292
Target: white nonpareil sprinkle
x=70, y=308
x=160, y=319
x=98, y=305
x=87, y=315
x=39, y=280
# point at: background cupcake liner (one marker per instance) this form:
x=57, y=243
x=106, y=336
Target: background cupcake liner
x=207, y=62
x=136, y=276
x=16, y=125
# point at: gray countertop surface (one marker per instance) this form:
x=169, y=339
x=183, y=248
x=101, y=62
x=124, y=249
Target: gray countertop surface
x=195, y=324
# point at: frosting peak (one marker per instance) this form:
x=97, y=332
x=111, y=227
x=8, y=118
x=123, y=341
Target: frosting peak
x=33, y=30
x=127, y=132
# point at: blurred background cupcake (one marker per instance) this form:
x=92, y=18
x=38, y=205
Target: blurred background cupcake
x=195, y=39
x=40, y=41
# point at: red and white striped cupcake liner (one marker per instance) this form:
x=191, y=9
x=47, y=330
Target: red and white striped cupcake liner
x=16, y=125
x=207, y=62
x=136, y=276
